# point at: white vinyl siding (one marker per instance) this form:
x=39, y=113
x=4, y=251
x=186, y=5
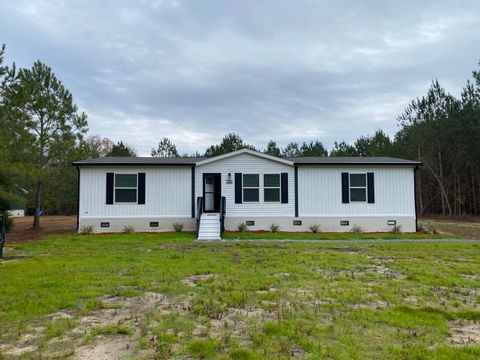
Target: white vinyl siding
x=249, y=164
x=320, y=191
x=168, y=192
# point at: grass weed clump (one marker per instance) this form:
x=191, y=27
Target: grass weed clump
x=274, y=228
x=87, y=230
x=128, y=229
x=178, y=227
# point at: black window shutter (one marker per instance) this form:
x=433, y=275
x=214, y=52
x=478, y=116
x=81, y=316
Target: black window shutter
x=371, y=188
x=345, y=197
x=238, y=188
x=284, y=190
x=141, y=188
x=109, y=188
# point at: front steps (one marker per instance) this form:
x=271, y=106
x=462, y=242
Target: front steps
x=209, y=227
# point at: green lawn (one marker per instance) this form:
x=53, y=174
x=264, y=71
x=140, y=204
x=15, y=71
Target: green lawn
x=165, y=295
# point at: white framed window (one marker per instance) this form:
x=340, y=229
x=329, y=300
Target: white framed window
x=358, y=187
x=126, y=188
x=271, y=187
x=251, y=187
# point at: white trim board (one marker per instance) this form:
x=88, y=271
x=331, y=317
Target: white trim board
x=245, y=151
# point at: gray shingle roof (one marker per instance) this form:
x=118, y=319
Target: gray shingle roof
x=352, y=160
x=139, y=161
x=298, y=161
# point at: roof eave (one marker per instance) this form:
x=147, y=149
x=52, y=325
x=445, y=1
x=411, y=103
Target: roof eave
x=358, y=163
x=132, y=164
x=245, y=151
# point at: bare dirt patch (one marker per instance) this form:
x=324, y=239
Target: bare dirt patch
x=22, y=230
x=194, y=279
x=120, y=321
x=464, y=332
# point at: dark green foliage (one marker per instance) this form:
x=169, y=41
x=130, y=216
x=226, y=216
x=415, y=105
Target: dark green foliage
x=377, y=145
x=230, y=142
x=121, y=150
x=313, y=149
x=343, y=149
x=165, y=148
x=42, y=122
x=292, y=150
x=272, y=149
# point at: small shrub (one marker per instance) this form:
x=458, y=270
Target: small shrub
x=128, y=229
x=397, y=229
x=178, y=227
x=242, y=227
x=274, y=228
x=357, y=229
x=7, y=219
x=315, y=228
x=86, y=230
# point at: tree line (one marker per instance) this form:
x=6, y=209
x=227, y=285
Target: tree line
x=42, y=132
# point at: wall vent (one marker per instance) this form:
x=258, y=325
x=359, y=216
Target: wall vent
x=153, y=223
x=392, y=222
x=344, y=223
x=297, y=222
x=250, y=223
x=104, y=224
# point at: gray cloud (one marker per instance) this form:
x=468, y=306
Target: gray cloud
x=287, y=70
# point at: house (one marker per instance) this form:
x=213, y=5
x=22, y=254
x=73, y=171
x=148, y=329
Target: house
x=16, y=210
x=245, y=186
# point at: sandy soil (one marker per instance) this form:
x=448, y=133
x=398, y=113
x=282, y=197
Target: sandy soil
x=22, y=227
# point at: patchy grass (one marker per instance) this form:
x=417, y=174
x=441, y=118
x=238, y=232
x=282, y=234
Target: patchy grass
x=332, y=236
x=166, y=296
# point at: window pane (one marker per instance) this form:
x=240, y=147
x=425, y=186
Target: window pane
x=271, y=180
x=358, y=180
x=272, y=194
x=250, y=195
x=358, y=194
x=126, y=195
x=250, y=180
x=125, y=180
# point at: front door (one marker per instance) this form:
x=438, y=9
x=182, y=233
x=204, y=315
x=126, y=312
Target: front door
x=212, y=192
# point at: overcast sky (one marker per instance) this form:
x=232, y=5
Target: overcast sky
x=286, y=70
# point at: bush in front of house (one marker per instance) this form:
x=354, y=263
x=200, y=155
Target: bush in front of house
x=86, y=230
x=397, y=229
x=128, y=229
x=242, y=227
x=178, y=227
x=356, y=229
x=315, y=228
x=274, y=228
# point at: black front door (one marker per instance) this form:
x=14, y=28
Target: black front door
x=212, y=192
